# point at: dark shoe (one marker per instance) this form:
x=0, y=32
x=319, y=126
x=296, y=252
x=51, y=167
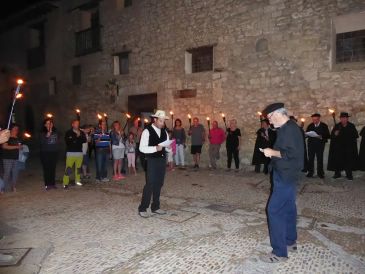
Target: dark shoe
x=310, y=175
x=65, y=187
x=350, y=178
x=321, y=176
x=336, y=176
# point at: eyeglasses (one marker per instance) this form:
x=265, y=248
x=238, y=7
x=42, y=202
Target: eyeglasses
x=270, y=115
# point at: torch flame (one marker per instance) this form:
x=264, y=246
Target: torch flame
x=19, y=95
x=208, y=118
x=99, y=116
x=331, y=110
x=20, y=81
x=139, y=119
x=259, y=113
x=27, y=135
x=189, y=116
x=145, y=120
x=128, y=115
x=77, y=110
x=49, y=115
x=171, y=113
x=223, y=115
x=303, y=120
x=105, y=115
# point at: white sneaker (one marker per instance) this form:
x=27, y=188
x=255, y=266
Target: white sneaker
x=105, y=180
x=160, y=212
x=144, y=214
x=79, y=183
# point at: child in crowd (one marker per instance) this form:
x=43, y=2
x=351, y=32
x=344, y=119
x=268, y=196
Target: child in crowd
x=131, y=153
x=118, y=147
x=171, y=154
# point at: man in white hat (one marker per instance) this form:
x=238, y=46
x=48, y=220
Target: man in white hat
x=153, y=135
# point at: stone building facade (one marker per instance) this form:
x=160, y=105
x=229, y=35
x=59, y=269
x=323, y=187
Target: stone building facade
x=261, y=51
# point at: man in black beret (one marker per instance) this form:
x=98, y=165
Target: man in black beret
x=343, y=153
x=286, y=164
x=318, y=134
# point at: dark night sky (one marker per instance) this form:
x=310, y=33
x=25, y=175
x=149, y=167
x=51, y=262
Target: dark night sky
x=14, y=6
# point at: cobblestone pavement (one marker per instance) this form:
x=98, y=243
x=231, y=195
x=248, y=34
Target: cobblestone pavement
x=216, y=224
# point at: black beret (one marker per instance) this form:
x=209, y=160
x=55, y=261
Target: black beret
x=316, y=115
x=344, y=114
x=271, y=108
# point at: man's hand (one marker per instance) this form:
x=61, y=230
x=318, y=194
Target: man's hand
x=4, y=136
x=270, y=153
x=158, y=148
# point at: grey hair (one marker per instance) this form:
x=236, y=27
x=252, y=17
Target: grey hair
x=282, y=111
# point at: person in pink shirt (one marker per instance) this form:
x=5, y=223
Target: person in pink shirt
x=216, y=138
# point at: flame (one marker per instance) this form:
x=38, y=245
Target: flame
x=100, y=117
x=208, y=119
x=105, y=115
x=139, y=119
x=223, y=115
x=331, y=110
x=145, y=120
x=77, y=110
x=18, y=96
x=171, y=113
x=259, y=113
x=189, y=116
x=303, y=120
x=27, y=135
x=49, y=115
x=20, y=81
x=128, y=115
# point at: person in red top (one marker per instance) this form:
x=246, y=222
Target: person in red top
x=216, y=138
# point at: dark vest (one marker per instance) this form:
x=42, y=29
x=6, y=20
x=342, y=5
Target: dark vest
x=154, y=140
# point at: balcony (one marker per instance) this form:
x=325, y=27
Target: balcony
x=35, y=57
x=87, y=41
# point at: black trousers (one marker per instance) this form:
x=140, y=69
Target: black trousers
x=315, y=151
x=235, y=153
x=49, y=163
x=155, y=176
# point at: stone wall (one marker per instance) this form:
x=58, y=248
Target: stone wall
x=264, y=51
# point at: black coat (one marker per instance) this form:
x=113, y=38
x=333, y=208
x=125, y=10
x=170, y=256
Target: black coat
x=322, y=130
x=343, y=148
x=362, y=150
x=262, y=142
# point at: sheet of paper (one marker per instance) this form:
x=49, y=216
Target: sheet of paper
x=312, y=134
x=261, y=149
x=166, y=143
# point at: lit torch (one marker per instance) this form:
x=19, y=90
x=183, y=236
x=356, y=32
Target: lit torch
x=302, y=122
x=189, y=116
x=260, y=115
x=27, y=135
x=126, y=122
x=100, y=118
x=208, y=121
x=78, y=114
x=224, y=119
x=332, y=111
x=172, y=119
x=106, y=120
x=49, y=115
x=17, y=95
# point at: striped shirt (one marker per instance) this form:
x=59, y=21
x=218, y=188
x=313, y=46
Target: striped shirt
x=104, y=139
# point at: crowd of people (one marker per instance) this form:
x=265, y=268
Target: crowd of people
x=124, y=149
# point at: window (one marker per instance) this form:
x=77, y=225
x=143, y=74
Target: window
x=127, y=3
x=348, y=41
x=199, y=59
x=36, y=49
x=76, y=75
x=121, y=63
x=52, y=87
x=350, y=46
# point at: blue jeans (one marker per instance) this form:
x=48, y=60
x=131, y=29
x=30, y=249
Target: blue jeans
x=2, y=185
x=282, y=215
x=101, y=158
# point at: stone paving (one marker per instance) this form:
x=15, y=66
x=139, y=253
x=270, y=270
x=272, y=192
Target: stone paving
x=216, y=223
